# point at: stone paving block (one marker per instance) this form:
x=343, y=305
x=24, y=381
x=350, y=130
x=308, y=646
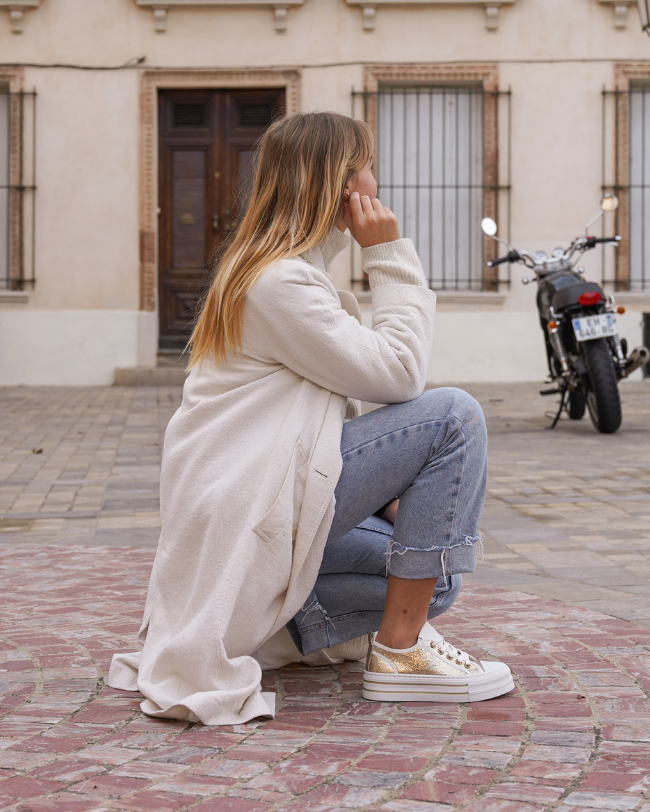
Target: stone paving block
x=617, y=801
x=153, y=800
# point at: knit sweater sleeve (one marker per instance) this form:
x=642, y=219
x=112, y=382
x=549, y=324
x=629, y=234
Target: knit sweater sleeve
x=393, y=263
x=293, y=316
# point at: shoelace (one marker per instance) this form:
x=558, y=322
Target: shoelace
x=452, y=653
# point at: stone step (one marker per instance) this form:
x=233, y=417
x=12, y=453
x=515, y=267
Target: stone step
x=150, y=376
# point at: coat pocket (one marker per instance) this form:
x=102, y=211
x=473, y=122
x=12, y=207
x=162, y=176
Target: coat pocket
x=284, y=513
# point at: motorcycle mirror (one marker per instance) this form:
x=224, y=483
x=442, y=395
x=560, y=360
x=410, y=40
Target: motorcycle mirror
x=609, y=202
x=488, y=227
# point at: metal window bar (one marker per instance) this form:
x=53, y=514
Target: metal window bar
x=437, y=167
x=626, y=173
x=17, y=189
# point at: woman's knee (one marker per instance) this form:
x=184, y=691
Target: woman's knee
x=457, y=403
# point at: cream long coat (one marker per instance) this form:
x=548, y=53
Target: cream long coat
x=250, y=462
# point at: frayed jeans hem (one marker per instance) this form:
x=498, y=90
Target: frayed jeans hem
x=454, y=559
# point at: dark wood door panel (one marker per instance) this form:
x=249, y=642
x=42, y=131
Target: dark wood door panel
x=189, y=173
x=206, y=143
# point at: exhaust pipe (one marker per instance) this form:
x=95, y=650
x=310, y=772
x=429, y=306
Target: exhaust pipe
x=637, y=358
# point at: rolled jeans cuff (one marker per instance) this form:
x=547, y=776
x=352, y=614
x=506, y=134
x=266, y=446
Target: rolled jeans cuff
x=417, y=563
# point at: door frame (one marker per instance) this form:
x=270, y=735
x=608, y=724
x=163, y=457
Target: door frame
x=188, y=79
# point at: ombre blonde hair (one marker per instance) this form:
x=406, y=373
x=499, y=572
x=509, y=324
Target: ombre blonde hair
x=303, y=164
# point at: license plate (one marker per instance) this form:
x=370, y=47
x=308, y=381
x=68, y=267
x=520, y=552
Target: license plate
x=589, y=327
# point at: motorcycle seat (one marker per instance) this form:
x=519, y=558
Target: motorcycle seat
x=569, y=296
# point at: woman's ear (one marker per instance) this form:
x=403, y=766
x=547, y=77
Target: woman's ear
x=346, y=195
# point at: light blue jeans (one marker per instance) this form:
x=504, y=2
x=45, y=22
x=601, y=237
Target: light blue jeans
x=430, y=452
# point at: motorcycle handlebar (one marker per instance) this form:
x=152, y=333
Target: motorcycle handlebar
x=513, y=256
x=591, y=241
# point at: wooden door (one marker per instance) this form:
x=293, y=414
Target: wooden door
x=206, y=141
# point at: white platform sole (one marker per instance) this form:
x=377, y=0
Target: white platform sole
x=496, y=681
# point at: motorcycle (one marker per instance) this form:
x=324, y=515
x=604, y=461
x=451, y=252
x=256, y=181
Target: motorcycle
x=586, y=357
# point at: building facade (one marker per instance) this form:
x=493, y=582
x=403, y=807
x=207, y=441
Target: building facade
x=126, y=127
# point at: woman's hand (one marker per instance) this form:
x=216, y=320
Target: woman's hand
x=369, y=222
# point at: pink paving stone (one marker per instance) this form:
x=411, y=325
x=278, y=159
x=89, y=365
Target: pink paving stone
x=440, y=792
x=180, y=755
x=466, y=742
x=22, y=761
x=618, y=801
x=109, y=786
x=210, y=737
x=235, y=768
x=494, y=761
x=67, y=771
x=546, y=769
x=610, y=781
x=226, y=804
x=20, y=787
x=532, y=793
x=561, y=755
x=622, y=764
x=501, y=805
x=334, y=795
x=105, y=754
x=60, y=802
x=252, y=753
x=43, y=744
x=195, y=784
x=154, y=801
x=460, y=775
x=151, y=770
x=382, y=760
x=266, y=795
x=284, y=781
x=626, y=733
x=492, y=714
x=494, y=728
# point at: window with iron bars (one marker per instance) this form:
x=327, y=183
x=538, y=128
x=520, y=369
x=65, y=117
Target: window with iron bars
x=17, y=171
x=437, y=168
x=626, y=173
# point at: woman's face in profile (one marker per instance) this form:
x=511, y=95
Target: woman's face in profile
x=364, y=182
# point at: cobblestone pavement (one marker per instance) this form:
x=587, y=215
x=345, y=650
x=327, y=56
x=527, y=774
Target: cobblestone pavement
x=567, y=518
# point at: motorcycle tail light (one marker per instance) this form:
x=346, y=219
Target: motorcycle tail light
x=552, y=325
x=620, y=310
x=590, y=298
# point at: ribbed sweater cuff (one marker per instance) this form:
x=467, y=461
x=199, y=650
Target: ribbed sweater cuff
x=393, y=263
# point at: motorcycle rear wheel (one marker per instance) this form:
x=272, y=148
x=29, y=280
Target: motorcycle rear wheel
x=603, y=400
x=577, y=404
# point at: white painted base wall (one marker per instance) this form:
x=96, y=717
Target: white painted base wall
x=84, y=347
x=482, y=347
x=73, y=347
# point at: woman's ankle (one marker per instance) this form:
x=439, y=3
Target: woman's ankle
x=397, y=639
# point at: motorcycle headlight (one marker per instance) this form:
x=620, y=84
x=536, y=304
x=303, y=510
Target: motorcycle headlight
x=558, y=252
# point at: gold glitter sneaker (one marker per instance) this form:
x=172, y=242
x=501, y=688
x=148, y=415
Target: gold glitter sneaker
x=431, y=671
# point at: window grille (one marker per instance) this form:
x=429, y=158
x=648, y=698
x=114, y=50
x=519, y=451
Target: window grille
x=437, y=168
x=17, y=171
x=626, y=173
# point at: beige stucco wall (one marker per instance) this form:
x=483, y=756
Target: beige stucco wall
x=555, y=55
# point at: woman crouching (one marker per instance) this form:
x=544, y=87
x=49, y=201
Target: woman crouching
x=278, y=540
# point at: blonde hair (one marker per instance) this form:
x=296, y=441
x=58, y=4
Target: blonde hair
x=303, y=164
